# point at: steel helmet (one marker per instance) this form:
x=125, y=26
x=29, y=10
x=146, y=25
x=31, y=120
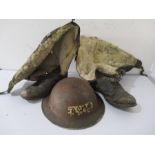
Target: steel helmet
x=73, y=104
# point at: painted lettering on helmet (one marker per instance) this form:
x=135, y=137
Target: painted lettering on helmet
x=80, y=109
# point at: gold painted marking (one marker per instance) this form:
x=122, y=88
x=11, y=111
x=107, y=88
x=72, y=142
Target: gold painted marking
x=80, y=109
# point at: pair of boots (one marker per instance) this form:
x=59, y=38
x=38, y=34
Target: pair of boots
x=109, y=87
x=113, y=92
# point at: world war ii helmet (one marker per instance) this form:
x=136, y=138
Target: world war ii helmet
x=73, y=104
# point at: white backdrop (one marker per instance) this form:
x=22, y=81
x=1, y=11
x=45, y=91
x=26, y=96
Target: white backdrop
x=19, y=38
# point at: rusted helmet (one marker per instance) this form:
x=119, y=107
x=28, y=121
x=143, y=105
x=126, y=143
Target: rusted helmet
x=73, y=104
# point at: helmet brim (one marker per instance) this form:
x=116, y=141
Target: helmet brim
x=78, y=123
